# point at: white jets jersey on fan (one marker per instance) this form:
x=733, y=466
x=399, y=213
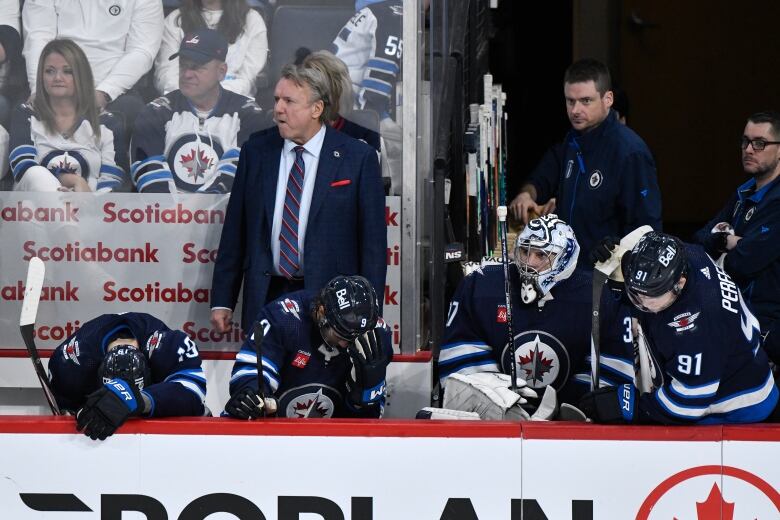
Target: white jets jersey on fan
x=176, y=148
x=31, y=144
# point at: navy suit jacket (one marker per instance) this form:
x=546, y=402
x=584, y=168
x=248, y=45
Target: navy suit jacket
x=345, y=232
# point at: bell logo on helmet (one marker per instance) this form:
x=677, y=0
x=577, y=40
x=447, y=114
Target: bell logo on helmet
x=341, y=295
x=667, y=255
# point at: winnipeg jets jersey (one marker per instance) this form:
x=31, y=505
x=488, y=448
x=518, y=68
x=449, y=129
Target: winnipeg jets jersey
x=705, y=355
x=175, y=149
x=178, y=384
x=371, y=45
x=307, y=377
x=97, y=161
x=552, y=342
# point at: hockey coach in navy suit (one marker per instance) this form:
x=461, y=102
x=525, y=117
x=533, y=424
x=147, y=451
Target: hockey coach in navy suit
x=307, y=204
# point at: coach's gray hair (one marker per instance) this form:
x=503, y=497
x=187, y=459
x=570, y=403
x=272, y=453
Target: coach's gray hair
x=338, y=76
x=318, y=83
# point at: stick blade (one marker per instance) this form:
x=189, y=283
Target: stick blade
x=32, y=291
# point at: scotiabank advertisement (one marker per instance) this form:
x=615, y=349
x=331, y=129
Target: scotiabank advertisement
x=387, y=470
x=108, y=253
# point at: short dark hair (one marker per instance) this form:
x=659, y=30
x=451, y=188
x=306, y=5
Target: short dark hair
x=768, y=116
x=588, y=69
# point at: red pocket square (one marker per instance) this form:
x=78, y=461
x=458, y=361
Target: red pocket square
x=345, y=182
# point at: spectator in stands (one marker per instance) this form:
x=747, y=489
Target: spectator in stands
x=119, y=37
x=371, y=45
x=118, y=366
x=324, y=354
x=338, y=76
x=189, y=139
x=61, y=141
x=745, y=235
x=307, y=205
x=602, y=178
x=13, y=79
x=243, y=28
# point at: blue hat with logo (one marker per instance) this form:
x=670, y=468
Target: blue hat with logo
x=202, y=46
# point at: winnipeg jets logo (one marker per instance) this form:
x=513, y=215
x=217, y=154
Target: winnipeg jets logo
x=595, y=179
x=71, y=351
x=65, y=162
x=706, y=272
x=197, y=163
x=309, y=401
x=291, y=307
x=153, y=342
x=541, y=359
x=684, y=321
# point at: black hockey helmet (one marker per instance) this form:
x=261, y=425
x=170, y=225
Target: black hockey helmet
x=351, y=307
x=655, y=266
x=128, y=363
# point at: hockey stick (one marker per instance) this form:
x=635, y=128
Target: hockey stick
x=259, y=334
x=601, y=272
x=32, y=296
x=501, y=213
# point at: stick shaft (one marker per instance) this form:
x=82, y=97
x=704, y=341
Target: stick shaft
x=501, y=212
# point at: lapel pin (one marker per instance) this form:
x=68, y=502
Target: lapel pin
x=336, y=153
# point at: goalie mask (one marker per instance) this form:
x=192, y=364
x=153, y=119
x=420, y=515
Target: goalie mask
x=351, y=307
x=652, y=271
x=127, y=363
x=546, y=253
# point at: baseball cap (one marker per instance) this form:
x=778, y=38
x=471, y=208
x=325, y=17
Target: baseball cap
x=202, y=46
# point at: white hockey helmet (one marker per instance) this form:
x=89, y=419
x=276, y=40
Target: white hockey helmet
x=545, y=253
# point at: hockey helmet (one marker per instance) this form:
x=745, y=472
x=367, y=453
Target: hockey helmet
x=127, y=363
x=351, y=307
x=545, y=253
x=653, y=268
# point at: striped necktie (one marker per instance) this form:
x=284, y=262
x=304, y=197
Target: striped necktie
x=289, y=261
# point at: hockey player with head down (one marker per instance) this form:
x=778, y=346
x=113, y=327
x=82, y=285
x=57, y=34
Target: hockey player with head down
x=118, y=366
x=324, y=354
x=699, y=358
x=550, y=318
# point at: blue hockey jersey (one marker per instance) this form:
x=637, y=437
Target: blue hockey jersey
x=178, y=384
x=304, y=374
x=176, y=149
x=552, y=343
x=706, y=358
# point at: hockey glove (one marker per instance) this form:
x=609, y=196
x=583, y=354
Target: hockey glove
x=603, y=250
x=366, y=379
x=108, y=408
x=610, y=405
x=246, y=404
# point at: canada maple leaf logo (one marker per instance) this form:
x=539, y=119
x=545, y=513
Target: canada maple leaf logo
x=197, y=164
x=715, y=507
x=311, y=408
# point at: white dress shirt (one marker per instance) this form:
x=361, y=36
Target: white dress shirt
x=311, y=158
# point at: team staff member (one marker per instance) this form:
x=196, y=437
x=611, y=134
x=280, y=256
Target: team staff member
x=602, y=178
x=188, y=140
x=747, y=229
x=307, y=205
x=118, y=366
x=324, y=354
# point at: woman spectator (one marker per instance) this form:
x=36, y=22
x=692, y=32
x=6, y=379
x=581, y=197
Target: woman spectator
x=243, y=28
x=341, y=89
x=61, y=141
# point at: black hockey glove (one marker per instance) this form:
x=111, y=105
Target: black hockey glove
x=610, y=405
x=715, y=243
x=603, y=250
x=246, y=404
x=108, y=407
x=366, y=379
